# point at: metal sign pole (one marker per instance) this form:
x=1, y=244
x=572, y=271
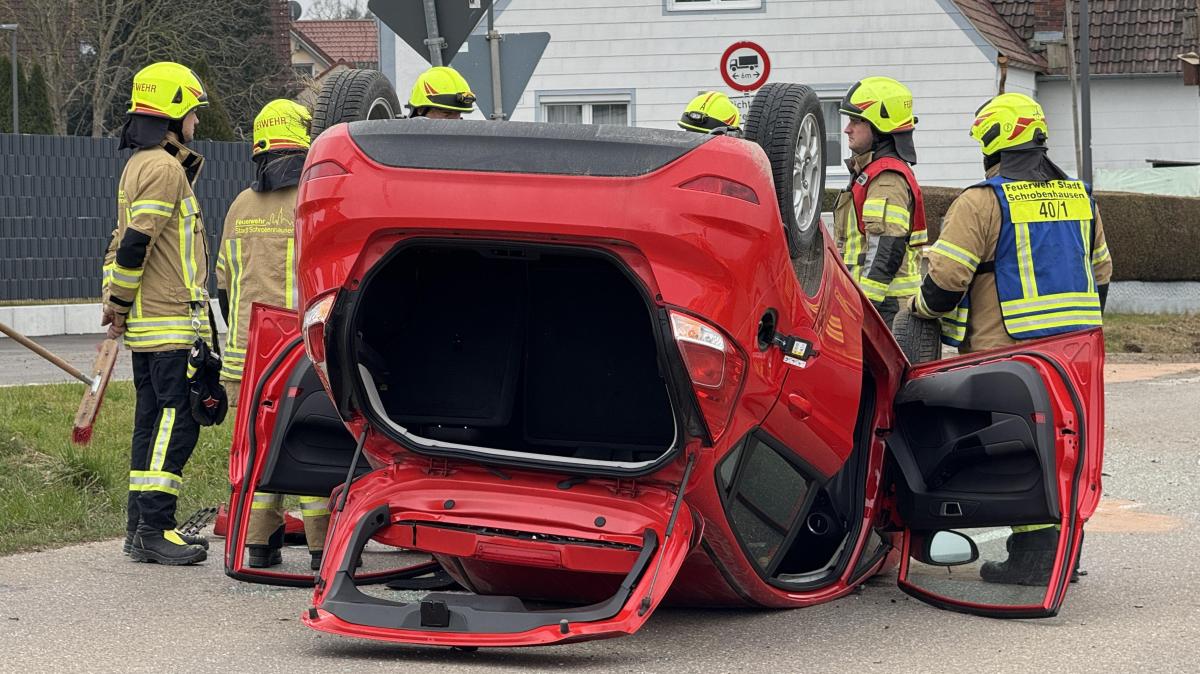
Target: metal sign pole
x=432, y=40
x=1085, y=95
x=493, y=39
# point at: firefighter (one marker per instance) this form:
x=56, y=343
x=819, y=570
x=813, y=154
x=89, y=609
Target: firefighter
x=880, y=216
x=1021, y=255
x=256, y=263
x=156, y=273
x=440, y=93
x=711, y=112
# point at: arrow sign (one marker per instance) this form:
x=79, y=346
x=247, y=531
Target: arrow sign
x=519, y=56
x=455, y=21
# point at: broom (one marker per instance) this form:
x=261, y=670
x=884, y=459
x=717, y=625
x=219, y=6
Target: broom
x=97, y=383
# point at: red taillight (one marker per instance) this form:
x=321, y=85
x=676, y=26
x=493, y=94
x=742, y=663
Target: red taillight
x=313, y=330
x=323, y=169
x=723, y=186
x=715, y=365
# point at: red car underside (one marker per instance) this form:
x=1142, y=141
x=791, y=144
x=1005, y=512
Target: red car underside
x=494, y=412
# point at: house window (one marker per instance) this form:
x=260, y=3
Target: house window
x=711, y=5
x=303, y=69
x=836, y=149
x=586, y=108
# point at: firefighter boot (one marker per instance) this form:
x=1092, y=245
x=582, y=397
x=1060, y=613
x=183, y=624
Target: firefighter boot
x=271, y=554
x=264, y=556
x=1030, y=559
x=187, y=538
x=165, y=547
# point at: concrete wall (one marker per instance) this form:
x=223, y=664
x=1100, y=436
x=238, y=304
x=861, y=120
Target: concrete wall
x=660, y=59
x=1133, y=119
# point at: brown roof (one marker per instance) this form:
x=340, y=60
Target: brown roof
x=353, y=41
x=995, y=30
x=1127, y=36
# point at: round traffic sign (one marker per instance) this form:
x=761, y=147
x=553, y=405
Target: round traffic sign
x=745, y=66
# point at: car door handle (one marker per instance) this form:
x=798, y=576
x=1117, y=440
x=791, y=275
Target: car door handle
x=799, y=406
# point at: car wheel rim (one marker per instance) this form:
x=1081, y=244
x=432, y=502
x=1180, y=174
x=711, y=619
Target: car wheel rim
x=380, y=109
x=806, y=177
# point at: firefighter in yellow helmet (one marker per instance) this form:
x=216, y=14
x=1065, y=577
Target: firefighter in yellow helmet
x=256, y=263
x=1021, y=255
x=711, y=112
x=154, y=295
x=880, y=216
x=440, y=93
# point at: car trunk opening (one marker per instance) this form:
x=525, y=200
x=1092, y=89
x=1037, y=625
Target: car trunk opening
x=514, y=353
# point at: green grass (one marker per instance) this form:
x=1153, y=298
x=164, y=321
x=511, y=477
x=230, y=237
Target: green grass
x=54, y=493
x=1152, y=333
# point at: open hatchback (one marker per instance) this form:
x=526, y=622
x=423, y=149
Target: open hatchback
x=586, y=370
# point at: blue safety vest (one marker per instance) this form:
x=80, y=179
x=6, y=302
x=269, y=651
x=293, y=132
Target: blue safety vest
x=1043, y=263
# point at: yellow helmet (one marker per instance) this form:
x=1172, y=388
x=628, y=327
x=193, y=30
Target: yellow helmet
x=442, y=87
x=710, y=110
x=168, y=90
x=282, y=125
x=1006, y=121
x=882, y=101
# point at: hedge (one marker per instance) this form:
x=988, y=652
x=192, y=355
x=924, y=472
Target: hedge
x=1152, y=237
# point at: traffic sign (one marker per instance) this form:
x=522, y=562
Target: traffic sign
x=519, y=56
x=455, y=21
x=742, y=102
x=745, y=66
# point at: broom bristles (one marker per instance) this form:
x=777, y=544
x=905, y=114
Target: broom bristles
x=81, y=436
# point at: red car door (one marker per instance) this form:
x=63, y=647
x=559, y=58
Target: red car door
x=288, y=439
x=999, y=458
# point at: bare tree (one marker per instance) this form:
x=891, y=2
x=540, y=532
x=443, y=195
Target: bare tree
x=337, y=9
x=49, y=34
x=90, y=50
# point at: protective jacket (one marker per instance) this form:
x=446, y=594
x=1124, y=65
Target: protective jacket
x=880, y=222
x=1017, y=259
x=256, y=264
x=156, y=266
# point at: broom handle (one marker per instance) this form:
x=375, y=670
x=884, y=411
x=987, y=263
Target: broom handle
x=41, y=351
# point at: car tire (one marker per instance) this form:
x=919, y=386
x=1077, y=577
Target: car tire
x=353, y=95
x=919, y=338
x=787, y=123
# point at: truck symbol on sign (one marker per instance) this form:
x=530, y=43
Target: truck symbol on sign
x=744, y=63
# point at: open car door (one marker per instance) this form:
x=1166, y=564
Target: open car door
x=999, y=457
x=289, y=440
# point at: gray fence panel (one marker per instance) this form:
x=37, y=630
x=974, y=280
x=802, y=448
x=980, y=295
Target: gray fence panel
x=58, y=202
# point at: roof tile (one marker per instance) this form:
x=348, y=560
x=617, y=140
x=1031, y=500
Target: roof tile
x=1127, y=36
x=352, y=41
x=999, y=33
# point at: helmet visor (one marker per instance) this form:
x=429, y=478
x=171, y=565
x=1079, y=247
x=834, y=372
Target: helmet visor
x=462, y=101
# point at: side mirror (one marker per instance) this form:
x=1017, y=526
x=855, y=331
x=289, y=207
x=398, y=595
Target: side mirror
x=950, y=548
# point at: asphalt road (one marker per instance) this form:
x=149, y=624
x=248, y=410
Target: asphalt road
x=19, y=366
x=86, y=608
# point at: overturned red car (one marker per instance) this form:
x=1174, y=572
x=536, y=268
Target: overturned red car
x=587, y=371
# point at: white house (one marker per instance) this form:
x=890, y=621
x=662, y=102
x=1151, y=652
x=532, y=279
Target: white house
x=640, y=61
